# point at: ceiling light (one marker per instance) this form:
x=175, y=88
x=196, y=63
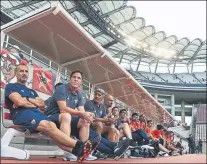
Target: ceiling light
x=180, y=57
x=130, y=41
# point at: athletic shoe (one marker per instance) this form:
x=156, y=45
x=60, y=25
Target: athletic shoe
x=89, y=146
x=121, y=148
x=99, y=155
x=91, y=158
x=67, y=156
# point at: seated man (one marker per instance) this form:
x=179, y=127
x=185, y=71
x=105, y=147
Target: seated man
x=148, y=130
x=128, y=130
x=68, y=98
x=142, y=121
x=75, y=102
x=122, y=125
x=47, y=101
x=115, y=115
x=24, y=105
x=170, y=144
x=98, y=108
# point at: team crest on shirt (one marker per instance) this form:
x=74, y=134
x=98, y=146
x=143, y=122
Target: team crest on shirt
x=33, y=121
x=76, y=101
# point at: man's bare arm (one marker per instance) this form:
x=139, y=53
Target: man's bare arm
x=81, y=108
x=19, y=101
x=103, y=120
x=64, y=109
x=38, y=102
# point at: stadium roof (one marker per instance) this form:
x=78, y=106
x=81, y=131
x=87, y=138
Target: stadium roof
x=116, y=26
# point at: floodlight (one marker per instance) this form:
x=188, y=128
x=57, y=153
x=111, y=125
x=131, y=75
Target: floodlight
x=144, y=45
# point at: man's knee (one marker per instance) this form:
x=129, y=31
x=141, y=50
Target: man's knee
x=66, y=117
x=83, y=123
x=98, y=125
x=46, y=126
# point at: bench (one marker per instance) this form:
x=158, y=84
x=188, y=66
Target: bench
x=20, y=131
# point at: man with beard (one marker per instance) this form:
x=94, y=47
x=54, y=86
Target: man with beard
x=100, y=111
x=24, y=104
x=68, y=98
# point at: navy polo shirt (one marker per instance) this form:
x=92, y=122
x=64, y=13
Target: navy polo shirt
x=100, y=111
x=63, y=92
x=22, y=90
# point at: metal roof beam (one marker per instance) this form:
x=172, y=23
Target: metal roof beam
x=76, y=7
x=109, y=44
x=195, y=54
x=24, y=4
x=138, y=64
x=104, y=15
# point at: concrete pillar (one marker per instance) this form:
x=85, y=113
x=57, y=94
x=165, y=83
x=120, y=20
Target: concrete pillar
x=173, y=104
x=183, y=112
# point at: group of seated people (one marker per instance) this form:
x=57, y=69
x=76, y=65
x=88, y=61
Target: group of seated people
x=84, y=130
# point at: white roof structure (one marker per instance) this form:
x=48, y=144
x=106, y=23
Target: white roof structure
x=120, y=30
x=52, y=32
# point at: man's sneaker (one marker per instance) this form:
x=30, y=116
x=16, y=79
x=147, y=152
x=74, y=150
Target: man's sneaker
x=90, y=145
x=99, y=155
x=67, y=156
x=91, y=158
x=121, y=148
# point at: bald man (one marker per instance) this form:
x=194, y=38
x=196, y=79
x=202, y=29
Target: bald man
x=108, y=101
x=101, y=121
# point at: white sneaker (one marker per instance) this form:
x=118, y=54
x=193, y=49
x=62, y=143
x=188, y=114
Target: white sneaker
x=67, y=156
x=91, y=158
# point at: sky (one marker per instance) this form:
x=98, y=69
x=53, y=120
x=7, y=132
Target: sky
x=180, y=18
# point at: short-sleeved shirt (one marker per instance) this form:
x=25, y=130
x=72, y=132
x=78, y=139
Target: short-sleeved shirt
x=156, y=134
x=23, y=90
x=100, y=110
x=148, y=131
x=142, y=125
x=135, y=124
x=64, y=93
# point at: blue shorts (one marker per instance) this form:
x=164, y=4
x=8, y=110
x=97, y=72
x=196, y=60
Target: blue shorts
x=29, y=118
x=74, y=123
